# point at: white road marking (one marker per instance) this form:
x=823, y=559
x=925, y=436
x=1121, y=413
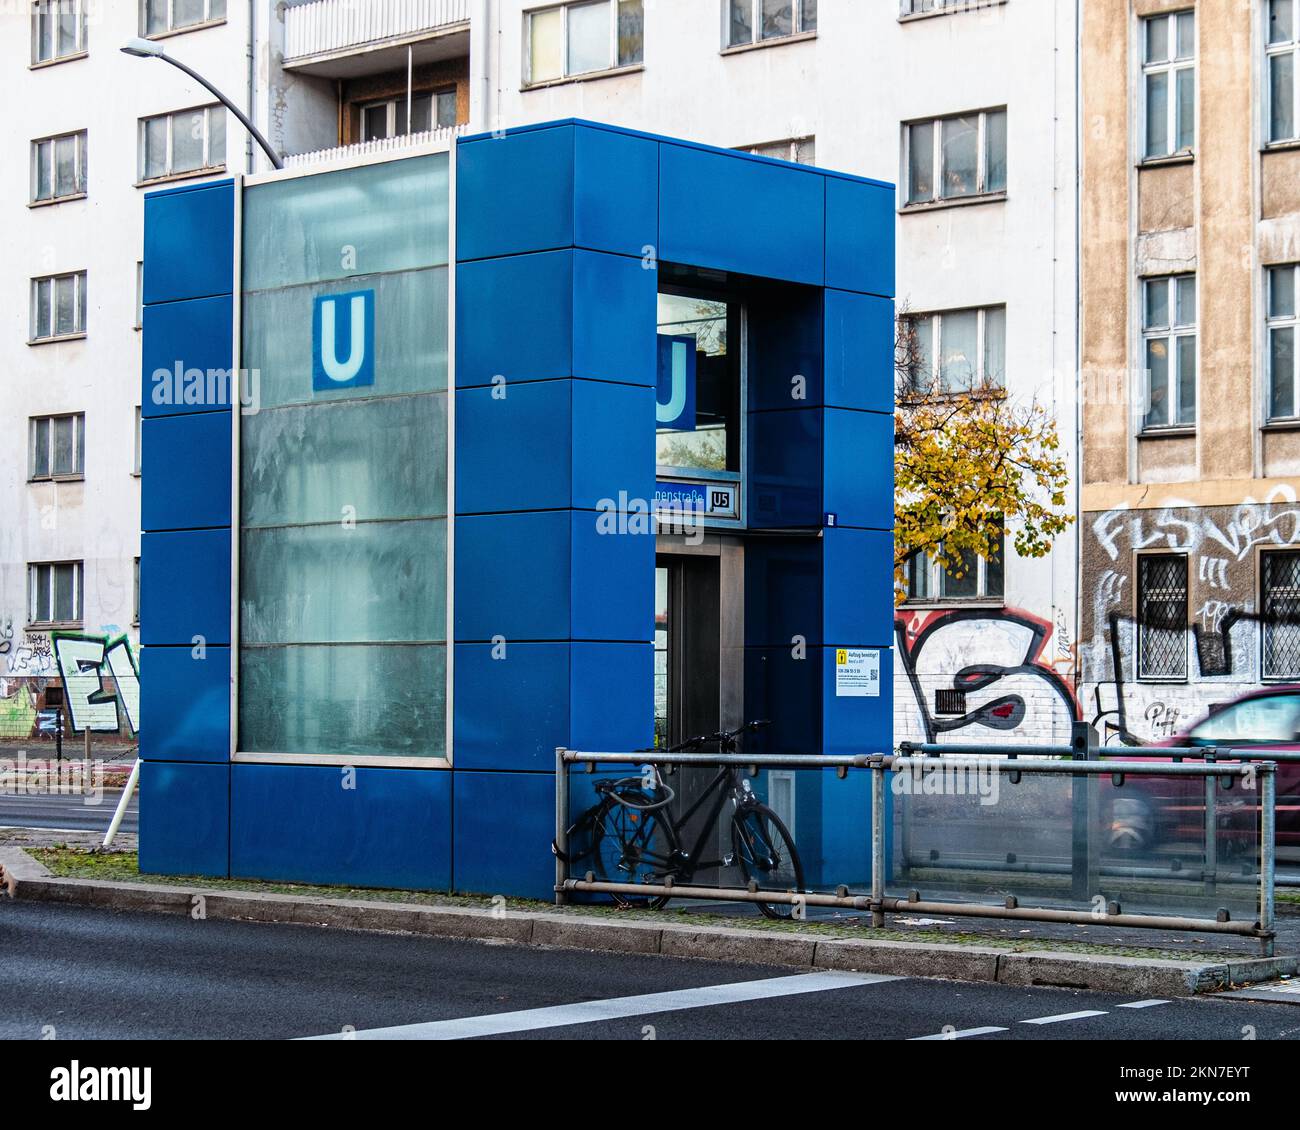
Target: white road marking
x=1142, y=1004
x=1064, y=1016
x=965, y=1032
x=617, y=1008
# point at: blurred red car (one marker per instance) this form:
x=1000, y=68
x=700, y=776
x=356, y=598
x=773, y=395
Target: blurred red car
x=1159, y=811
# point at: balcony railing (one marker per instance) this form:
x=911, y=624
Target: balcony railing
x=393, y=145
x=326, y=27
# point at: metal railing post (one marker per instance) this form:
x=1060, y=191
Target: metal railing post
x=561, y=825
x=877, y=841
x=1080, y=872
x=1268, y=856
x=1211, y=870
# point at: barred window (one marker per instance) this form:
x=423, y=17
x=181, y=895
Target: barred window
x=1280, y=604
x=1162, y=616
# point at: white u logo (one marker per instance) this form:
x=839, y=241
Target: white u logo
x=665, y=413
x=329, y=358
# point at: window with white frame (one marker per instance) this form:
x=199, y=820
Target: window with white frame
x=139, y=295
x=58, y=167
x=1169, y=83
x=183, y=142
x=967, y=577
x=54, y=591
x=434, y=109
x=958, y=350
x=135, y=466
x=577, y=39
x=956, y=157
x=58, y=29
x=57, y=448
x=1169, y=342
x=157, y=17
x=759, y=21
x=1283, y=54
x=58, y=306
x=800, y=150
x=1283, y=325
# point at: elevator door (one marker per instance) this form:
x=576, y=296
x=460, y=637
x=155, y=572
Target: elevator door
x=688, y=647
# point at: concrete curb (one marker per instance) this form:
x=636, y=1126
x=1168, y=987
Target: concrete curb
x=1145, y=976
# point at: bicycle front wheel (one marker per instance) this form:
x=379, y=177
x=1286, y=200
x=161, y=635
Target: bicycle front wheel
x=634, y=845
x=765, y=852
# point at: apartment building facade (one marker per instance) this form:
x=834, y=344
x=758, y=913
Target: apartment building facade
x=1191, y=430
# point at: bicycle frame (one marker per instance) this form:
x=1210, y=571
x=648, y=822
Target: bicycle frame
x=690, y=861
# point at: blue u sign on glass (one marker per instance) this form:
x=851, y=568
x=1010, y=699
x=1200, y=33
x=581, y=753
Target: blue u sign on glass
x=343, y=340
x=675, y=384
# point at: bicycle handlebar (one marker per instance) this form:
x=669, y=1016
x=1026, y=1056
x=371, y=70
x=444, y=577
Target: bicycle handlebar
x=723, y=737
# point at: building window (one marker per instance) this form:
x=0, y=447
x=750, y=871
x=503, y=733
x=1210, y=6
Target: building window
x=58, y=29
x=1162, y=616
x=54, y=592
x=1279, y=603
x=578, y=39
x=139, y=295
x=956, y=157
x=184, y=142
x=758, y=21
x=1283, y=51
x=958, y=351
x=138, y=441
x=1283, y=324
x=59, y=167
x=430, y=110
x=969, y=577
x=57, y=447
x=58, y=306
x=1169, y=338
x=157, y=17
x=135, y=588
x=1169, y=82
x=801, y=150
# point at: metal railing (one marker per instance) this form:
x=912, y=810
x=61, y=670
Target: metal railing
x=323, y=27
x=1238, y=897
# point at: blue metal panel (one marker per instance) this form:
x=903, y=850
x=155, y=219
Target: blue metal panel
x=185, y=587
x=860, y=236
x=857, y=725
x=614, y=307
x=784, y=688
x=513, y=451
x=783, y=591
x=184, y=819
x=393, y=829
x=514, y=318
x=859, y=351
x=785, y=346
x=785, y=468
x=185, y=464
x=612, y=696
x=612, y=578
x=514, y=193
x=505, y=857
x=616, y=191
x=189, y=242
x=512, y=576
x=717, y=210
x=613, y=442
x=858, y=606
x=197, y=336
x=842, y=850
x=184, y=704
x=854, y=441
x=511, y=712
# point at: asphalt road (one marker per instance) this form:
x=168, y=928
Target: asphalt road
x=70, y=811
x=79, y=973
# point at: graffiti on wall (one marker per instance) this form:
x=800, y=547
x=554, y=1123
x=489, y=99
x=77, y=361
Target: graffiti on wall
x=983, y=676
x=84, y=661
x=25, y=653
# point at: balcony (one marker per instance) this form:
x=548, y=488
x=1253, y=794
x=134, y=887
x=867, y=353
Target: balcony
x=390, y=146
x=346, y=38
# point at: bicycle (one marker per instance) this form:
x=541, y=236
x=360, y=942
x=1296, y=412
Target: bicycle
x=637, y=840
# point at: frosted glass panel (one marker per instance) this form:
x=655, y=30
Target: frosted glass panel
x=374, y=582
x=383, y=458
x=345, y=700
x=391, y=216
x=410, y=337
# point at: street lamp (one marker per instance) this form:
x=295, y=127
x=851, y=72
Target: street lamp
x=148, y=49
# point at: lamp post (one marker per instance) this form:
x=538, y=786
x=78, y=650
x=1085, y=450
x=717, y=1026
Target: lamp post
x=148, y=49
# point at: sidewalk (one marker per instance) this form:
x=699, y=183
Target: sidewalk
x=972, y=951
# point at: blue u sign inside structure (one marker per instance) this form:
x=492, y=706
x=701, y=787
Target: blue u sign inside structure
x=352, y=667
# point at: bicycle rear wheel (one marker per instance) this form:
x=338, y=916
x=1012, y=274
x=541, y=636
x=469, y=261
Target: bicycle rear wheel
x=765, y=852
x=634, y=845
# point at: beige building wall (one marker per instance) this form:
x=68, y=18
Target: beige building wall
x=1223, y=490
